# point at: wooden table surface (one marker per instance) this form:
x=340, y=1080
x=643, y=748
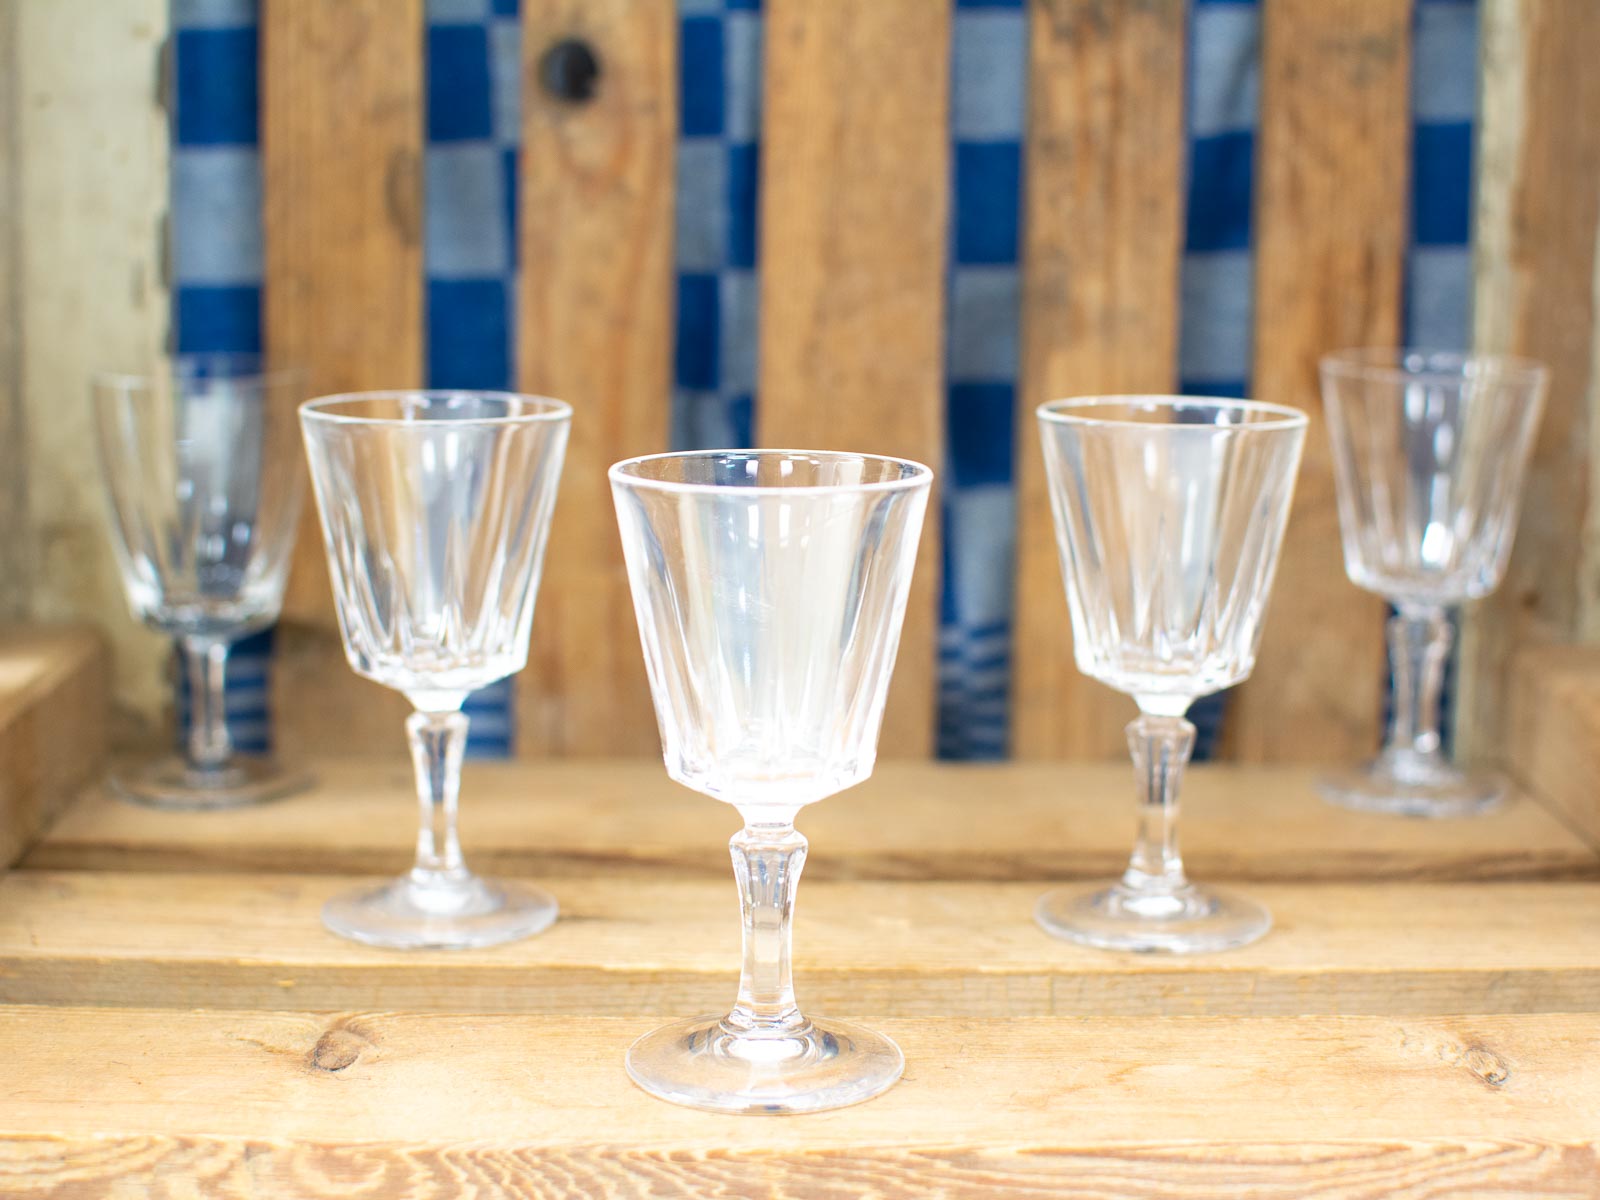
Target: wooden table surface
x=1423, y=1020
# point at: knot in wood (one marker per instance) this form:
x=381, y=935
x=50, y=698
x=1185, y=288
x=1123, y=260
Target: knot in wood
x=570, y=70
x=337, y=1049
x=1487, y=1066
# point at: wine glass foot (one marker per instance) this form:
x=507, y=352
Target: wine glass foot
x=1439, y=790
x=703, y=1063
x=1190, y=920
x=460, y=915
x=173, y=783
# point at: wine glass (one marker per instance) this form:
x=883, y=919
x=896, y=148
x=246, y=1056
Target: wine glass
x=770, y=587
x=1430, y=450
x=1169, y=515
x=205, y=480
x=435, y=511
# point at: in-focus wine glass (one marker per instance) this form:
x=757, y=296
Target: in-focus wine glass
x=1169, y=515
x=205, y=478
x=1430, y=449
x=770, y=588
x=435, y=511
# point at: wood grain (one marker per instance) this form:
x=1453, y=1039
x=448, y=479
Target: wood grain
x=1538, y=211
x=1104, y=197
x=912, y=821
x=53, y=710
x=627, y=946
x=1552, y=740
x=253, y=1104
x=89, y=201
x=1332, y=162
x=596, y=330
x=854, y=229
x=341, y=151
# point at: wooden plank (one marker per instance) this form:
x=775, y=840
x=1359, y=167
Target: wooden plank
x=1100, y=301
x=854, y=229
x=341, y=150
x=596, y=330
x=1538, y=208
x=1552, y=740
x=1332, y=164
x=89, y=200
x=53, y=708
x=626, y=946
x=238, y=1104
x=912, y=821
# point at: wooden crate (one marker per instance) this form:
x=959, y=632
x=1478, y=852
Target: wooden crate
x=1423, y=1019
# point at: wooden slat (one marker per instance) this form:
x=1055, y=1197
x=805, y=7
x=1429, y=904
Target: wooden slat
x=626, y=946
x=596, y=330
x=1332, y=165
x=1552, y=737
x=341, y=148
x=87, y=156
x=429, y=1106
x=912, y=821
x=1100, y=269
x=52, y=726
x=1538, y=209
x=854, y=208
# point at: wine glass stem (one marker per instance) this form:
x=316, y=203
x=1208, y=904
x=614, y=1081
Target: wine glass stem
x=1419, y=645
x=767, y=859
x=209, y=744
x=1160, y=747
x=438, y=742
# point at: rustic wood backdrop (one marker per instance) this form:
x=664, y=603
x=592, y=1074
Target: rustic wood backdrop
x=854, y=221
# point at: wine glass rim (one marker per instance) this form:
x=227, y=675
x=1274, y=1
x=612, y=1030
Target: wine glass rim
x=920, y=476
x=1066, y=412
x=251, y=368
x=1442, y=366
x=547, y=408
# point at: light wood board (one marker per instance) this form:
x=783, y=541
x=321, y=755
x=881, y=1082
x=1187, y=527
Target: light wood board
x=342, y=108
x=1538, y=213
x=1333, y=159
x=854, y=231
x=53, y=709
x=290, y=1103
x=88, y=171
x=911, y=821
x=1552, y=741
x=630, y=946
x=1104, y=225
x=595, y=329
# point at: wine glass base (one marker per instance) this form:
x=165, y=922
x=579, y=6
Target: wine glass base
x=172, y=783
x=702, y=1063
x=467, y=913
x=1191, y=920
x=1443, y=791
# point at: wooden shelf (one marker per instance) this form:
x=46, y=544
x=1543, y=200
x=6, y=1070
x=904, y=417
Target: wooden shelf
x=1425, y=1012
x=378, y=1103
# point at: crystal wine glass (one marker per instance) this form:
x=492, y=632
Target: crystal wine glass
x=770, y=587
x=1169, y=515
x=205, y=479
x=435, y=511
x=1430, y=450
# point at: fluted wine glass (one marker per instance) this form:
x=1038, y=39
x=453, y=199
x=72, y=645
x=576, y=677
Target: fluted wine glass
x=770, y=587
x=435, y=510
x=1430, y=449
x=205, y=479
x=1169, y=515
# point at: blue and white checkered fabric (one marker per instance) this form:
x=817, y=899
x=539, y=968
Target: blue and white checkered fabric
x=714, y=353
x=473, y=77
